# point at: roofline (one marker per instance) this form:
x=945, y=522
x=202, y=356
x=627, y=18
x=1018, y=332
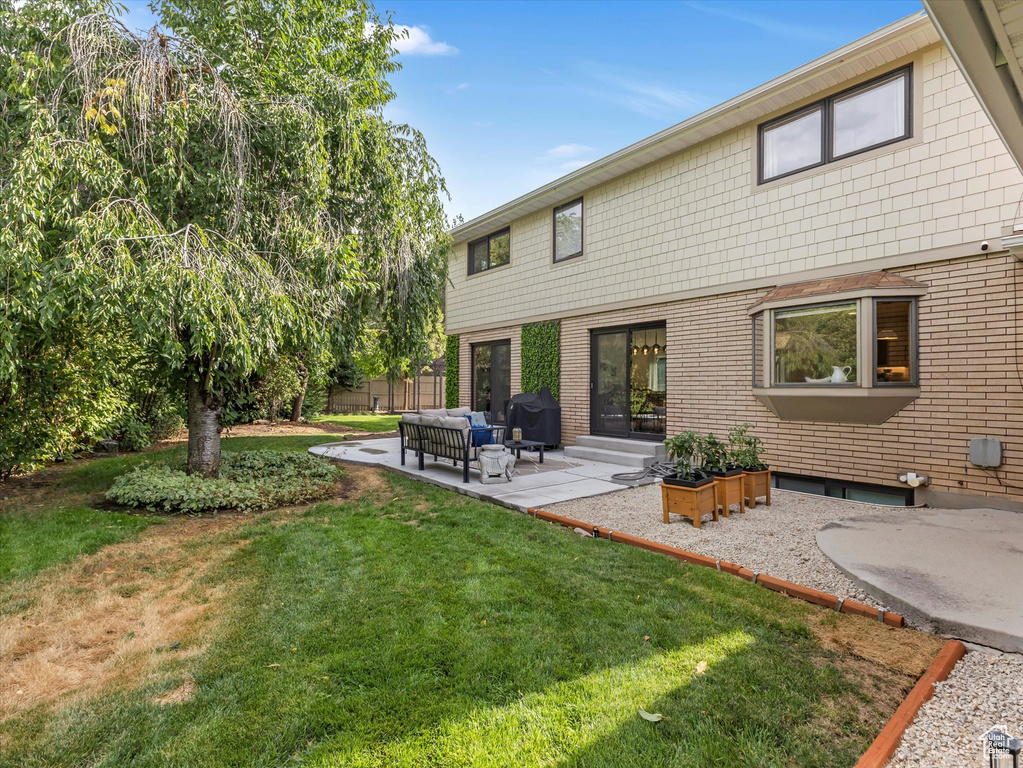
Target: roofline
x=886, y=34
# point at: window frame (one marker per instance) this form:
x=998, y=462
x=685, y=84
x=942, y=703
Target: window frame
x=827, y=107
x=914, y=346
x=554, y=231
x=860, y=356
x=758, y=381
x=487, y=238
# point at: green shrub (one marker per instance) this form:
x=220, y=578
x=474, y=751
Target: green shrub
x=451, y=372
x=152, y=417
x=541, y=357
x=250, y=480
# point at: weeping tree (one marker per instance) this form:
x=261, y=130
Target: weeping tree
x=225, y=187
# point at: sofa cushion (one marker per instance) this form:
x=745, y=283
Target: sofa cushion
x=455, y=422
x=458, y=411
x=432, y=412
x=477, y=418
x=412, y=418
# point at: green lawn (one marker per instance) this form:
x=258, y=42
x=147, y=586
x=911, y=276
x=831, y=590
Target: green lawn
x=364, y=422
x=34, y=540
x=416, y=627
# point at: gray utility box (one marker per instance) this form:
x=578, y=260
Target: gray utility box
x=986, y=452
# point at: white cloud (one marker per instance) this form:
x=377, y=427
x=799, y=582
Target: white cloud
x=416, y=41
x=642, y=95
x=569, y=150
x=765, y=23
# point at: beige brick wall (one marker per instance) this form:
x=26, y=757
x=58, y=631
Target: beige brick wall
x=513, y=332
x=695, y=222
x=969, y=378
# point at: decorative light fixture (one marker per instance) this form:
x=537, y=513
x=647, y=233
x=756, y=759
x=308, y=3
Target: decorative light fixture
x=887, y=335
x=635, y=350
x=657, y=349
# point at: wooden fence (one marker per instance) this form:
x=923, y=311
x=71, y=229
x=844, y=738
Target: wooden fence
x=404, y=395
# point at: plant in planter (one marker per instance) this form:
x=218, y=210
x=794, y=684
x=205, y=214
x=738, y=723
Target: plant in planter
x=715, y=458
x=744, y=449
x=690, y=491
x=685, y=450
x=756, y=475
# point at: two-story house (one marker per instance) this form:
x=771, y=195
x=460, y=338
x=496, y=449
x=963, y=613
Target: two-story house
x=821, y=256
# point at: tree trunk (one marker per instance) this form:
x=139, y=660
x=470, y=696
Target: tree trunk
x=203, y=433
x=296, y=405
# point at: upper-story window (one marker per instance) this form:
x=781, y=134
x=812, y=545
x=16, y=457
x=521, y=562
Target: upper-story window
x=568, y=230
x=491, y=251
x=867, y=116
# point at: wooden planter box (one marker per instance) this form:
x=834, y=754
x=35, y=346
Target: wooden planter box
x=693, y=503
x=756, y=484
x=729, y=491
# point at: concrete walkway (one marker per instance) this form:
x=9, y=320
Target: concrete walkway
x=957, y=572
x=561, y=479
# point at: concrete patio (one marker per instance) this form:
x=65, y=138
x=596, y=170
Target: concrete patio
x=533, y=485
x=954, y=571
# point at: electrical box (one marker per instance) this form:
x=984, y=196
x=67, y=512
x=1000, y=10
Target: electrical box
x=985, y=452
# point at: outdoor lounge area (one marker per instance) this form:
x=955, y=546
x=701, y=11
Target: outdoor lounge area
x=532, y=484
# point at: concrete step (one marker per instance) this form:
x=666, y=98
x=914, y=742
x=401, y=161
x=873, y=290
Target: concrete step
x=621, y=445
x=637, y=460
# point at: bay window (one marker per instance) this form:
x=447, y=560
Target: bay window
x=850, y=359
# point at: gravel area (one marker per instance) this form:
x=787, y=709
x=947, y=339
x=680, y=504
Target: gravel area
x=984, y=690
x=779, y=540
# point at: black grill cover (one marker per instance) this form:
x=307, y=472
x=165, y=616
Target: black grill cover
x=537, y=414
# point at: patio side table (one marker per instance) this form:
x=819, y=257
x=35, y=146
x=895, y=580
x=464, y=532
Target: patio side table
x=517, y=447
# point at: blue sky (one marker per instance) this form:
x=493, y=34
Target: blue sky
x=511, y=95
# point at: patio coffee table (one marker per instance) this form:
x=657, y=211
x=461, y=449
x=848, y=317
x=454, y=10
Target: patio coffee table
x=517, y=447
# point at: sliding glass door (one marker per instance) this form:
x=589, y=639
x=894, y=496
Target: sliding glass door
x=491, y=378
x=628, y=382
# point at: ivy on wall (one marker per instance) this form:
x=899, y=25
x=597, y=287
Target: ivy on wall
x=541, y=357
x=451, y=372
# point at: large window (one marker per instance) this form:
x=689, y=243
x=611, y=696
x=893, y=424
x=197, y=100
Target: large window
x=816, y=345
x=870, y=115
x=490, y=251
x=568, y=230
x=820, y=345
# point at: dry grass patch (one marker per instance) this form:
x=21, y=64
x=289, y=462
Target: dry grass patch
x=905, y=651
x=115, y=615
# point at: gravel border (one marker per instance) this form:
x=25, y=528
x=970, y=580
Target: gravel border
x=764, y=539
x=984, y=690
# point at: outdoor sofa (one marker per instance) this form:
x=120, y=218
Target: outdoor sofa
x=448, y=434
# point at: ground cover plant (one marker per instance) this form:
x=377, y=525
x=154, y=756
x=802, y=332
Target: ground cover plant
x=250, y=480
x=406, y=625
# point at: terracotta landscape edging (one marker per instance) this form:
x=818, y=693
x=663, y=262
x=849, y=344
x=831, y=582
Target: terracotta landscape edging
x=887, y=741
x=770, y=582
